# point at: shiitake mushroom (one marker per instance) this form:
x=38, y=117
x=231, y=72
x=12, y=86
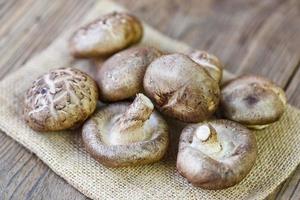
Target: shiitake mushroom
x=123, y=134
x=106, y=35
x=180, y=88
x=61, y=99
x=121, y=76
x=216, y=154
x=252, y=101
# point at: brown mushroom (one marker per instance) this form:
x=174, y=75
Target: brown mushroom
x=121, y=76
x=60, y=99
x=106, y=35
x=181, y=88
x=123, y=135
x=216, y=154
x=252, y=101
x=211, y=63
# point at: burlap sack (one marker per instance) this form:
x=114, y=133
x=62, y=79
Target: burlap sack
x=64, y=153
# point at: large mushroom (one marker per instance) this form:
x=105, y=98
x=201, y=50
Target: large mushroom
x=216, y=154
x=211, y=63
x=106, y=35
x=123, y=135
x=181, y=88
x=121, y=76
x=252, y=101
x=61, y=99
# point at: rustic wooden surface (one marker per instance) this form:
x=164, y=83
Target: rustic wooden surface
x=254, y=36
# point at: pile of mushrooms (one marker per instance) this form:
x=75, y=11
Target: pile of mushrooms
x=137, y=83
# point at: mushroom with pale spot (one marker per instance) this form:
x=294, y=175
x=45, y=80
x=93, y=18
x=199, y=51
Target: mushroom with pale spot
x=124, y=134
x=216, y=154
x=252, y=101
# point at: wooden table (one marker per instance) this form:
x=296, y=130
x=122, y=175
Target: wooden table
x=253, y=36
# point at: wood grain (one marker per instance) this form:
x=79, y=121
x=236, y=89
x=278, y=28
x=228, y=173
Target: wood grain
x=255, y=36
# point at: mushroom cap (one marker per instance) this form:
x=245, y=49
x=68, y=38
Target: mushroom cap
x=253, y=101
x=121, y=76
x=219, y=162
x=149, y=146
x=106, y=35
x=181, y=88
x=211, y=63
x=60, y=99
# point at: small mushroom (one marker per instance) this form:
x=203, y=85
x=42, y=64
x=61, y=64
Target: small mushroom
x=181, y=88
x=211, y=63
x=121, y=76
x=106, y=35
x=59, y=100
x=123, y=135
x=252, y=101
x=216, y=154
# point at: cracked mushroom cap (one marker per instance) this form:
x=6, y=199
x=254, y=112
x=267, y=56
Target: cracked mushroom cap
x=181, y=88
x=124, y=134
x=216, y=154
x=106, y=35
x=59, y=100
x=211, y=63
x=252, y=101
x=121, y=76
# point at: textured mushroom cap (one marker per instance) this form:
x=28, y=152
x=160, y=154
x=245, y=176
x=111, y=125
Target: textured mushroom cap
x=219, y=162
x=106, y=35
x=121, y=76
x=60, y=99
x=252, y=101
x=210, y=62
x=145, y=147
x=181, y=88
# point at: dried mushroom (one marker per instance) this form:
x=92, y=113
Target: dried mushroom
x=216, y=154
x=124, y=134
x=121, y=76
x=106, y=35
x=211, y=63
x=60, y=99
x=181, y=88
x=252, y=101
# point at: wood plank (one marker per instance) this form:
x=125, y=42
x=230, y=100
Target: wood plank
x=293, y=89
x=290, y=187
x=26, y=36
x=246, y=35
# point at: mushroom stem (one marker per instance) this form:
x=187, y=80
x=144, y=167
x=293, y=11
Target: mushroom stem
x=138, y=112
x=206, y=138
x=140, y=109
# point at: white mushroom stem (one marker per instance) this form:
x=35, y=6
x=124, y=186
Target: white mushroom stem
x=138, y=112
x=206, y=139
x=129, y=126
